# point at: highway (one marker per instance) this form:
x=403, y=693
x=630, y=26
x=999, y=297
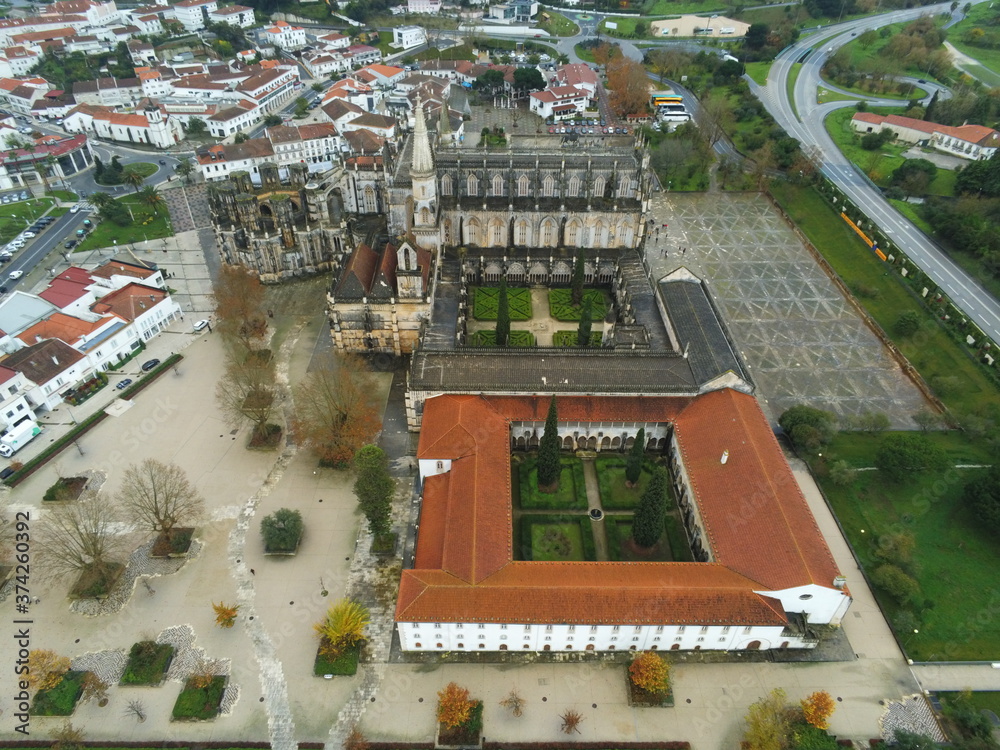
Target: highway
x=804, y=121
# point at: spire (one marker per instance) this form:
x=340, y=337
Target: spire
x=423, y=163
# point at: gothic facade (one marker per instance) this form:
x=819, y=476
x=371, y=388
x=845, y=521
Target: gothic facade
x=280, y=230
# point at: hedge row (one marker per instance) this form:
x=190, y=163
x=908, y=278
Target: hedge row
x=34, y=464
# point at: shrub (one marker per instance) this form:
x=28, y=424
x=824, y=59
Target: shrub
x=810, y=738
x=818, y=708
x=907, y=324
x=59, y=700
x=200, y=702
x=282, y=530
x=147, y=662
x=982, y=495
x=46, y=669
x=807, y=427
x=342, y=628
x=900, y=455
x=897, y=584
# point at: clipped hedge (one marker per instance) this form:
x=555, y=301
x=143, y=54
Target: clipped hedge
x=561, y=305
x=516, y=338
x=486, y=299
x=568, y=338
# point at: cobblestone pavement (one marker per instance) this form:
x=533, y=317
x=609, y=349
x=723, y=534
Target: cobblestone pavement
x=912, y=714
x=188, y=205
x=802, y=340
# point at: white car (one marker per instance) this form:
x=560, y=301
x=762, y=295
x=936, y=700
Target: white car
x=200, y=325
x=29, y=234
x=15, y=275
x=74, y=210
x=16, y=244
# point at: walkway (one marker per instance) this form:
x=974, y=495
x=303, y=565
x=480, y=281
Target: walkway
x=958, y=676
x=594, y=503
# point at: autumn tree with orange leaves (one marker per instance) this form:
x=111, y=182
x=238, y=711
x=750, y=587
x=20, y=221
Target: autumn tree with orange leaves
x=650, y=673
x=454, y=705
x=334, y=410
x=817, y=709
x=629, y=86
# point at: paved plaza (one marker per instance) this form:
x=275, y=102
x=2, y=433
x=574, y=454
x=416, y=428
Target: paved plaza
x=803, y=341
x=762, y=278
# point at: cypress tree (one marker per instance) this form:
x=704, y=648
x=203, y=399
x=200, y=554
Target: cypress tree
x=586, y=323
x=633, y=465
x=549, y=466
x=374, y=488
x=503, y=315
x=647, y=524
x=578, y=276
x=931, y=113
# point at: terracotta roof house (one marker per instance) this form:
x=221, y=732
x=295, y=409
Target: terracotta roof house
x=965, y=141
x=761, y=573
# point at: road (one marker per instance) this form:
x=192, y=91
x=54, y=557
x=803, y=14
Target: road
x=804, y=121
x=37, y=248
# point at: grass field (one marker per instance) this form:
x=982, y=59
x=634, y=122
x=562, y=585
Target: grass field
x=982, y=16
x=345, y=664
x=611, y=482
x=758, y=71
x=674, y=8
x=460, y=52
x=63, y=195
x=936, y=355
x=859, y=56
x=988, y=700
x=824, y=95
x=556, y=541
x=954, y=554
x=15, y=217
x=558, y=24
x=584, y=54
x=146, y=226
x=793, y=76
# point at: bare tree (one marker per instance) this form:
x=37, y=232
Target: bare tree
x=67, y=737
x=514, y=703
x=334, y=412
x=159, y=497
x=712, y=118
x=136, y=709
x=247, y=392
x=571, y=721
x=239, y=305
x=80, y=538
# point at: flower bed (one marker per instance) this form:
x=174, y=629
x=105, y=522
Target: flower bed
x=148, y=662
x=561, y=305
x=96, y=583
x=175, y=544
x=516, y=338
x=344, y=665
x=77, y=396
x=60, y=700
x=468, y=733
x=200, y=703
x=643, y=698
x=486, y=299
x=65, y=489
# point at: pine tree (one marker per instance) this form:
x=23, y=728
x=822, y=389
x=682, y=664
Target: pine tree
x=586, y=323
x=647, y=525
x=633, y=465
x=503, y=315
x=549, y=466
x=578, y=276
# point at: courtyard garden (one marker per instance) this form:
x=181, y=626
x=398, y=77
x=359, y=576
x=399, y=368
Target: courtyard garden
x=515, y=338
x=561, y=305
x=558, y=526
x=485, y=303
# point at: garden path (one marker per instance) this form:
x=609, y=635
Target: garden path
x=594, y=501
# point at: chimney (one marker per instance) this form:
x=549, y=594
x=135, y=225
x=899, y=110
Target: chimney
x=55, y=359
x=725, y=457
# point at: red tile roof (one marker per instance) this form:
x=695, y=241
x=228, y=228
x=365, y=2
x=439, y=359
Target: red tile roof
x=759, y=527
x=130, y=302
x=60, y=326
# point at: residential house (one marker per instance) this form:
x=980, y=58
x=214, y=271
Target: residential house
x=234, y=15
x=14, y=404
x=559, y=102
x=192, y=14
x=283, y=35
x=149, y=309
x=974, y=142
x=53, y=366
x=405, y=37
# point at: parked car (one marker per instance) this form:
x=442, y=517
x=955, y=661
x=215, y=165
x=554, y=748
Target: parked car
x=200, y=325
x=6, y=199
x=123, y=384
x=6, y=472
x=74, y=209
x=25, y=195
x=29, y=234
x=70, y=244
x=15, y=275
x=149, y=365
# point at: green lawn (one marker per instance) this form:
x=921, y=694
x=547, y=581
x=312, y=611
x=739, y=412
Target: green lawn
x=793, y=76
x=15, y=217
x=63, y=195
x=558, y=542
x=824, y=95
x=146, y=226
x=859, y=56
x=558, y=24
x=954, y=557
x=988, y=700
x=572, y=492
x=584, y=54
x=672, y=546
x=611, y=482
x=684, y=7
x=147, y=663
x=885, y=298
x=200, y=704
x=911, y=212
x=758, y=71
x=486, y=298
x=555, y=537
x=345, y=664
x=60, y=700
x=461, y=52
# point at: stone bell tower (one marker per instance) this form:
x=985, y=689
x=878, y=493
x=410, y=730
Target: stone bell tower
x=423, y=179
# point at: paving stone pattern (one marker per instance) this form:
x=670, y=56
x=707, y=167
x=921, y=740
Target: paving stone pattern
x=188, y=206
x=802, y=340
x=912, y=714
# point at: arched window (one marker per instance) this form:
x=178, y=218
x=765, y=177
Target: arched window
x=521, y=232
x=473, y=185
x=599, y=187
x=601, y=240
x=446, y=185
x=548, y=186
x=472, y=232
x=496, y=233
x=523, y=186
x=425, y=216
x=548, y=233
x=573, y=188
x=573, y=233
x=497, y=185
x=370, y=206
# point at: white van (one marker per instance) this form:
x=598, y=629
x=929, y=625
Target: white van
x=17, y=437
